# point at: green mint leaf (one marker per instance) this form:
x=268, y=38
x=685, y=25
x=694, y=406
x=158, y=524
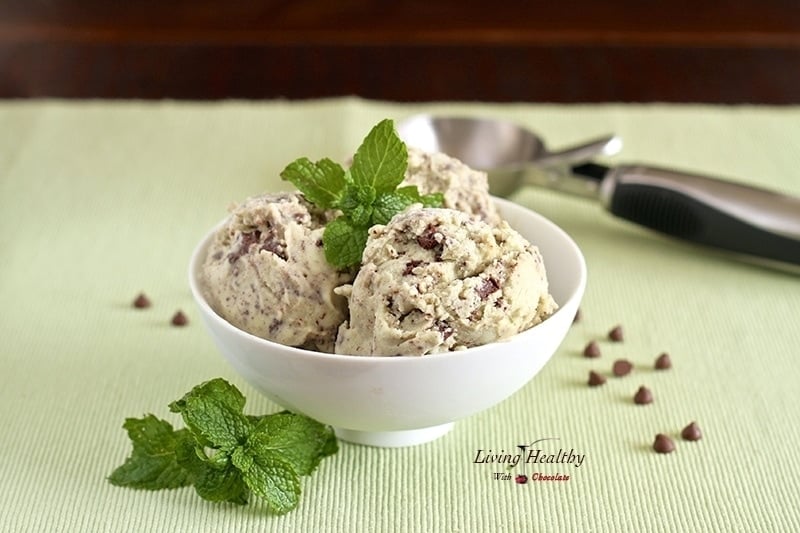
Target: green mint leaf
x=222, y=485
x=409, y=191
x=344, y=242
x=296, y=439
x=435, y=199
x=269, y=477
x=427, y=200
x=330, y=447
x=361, y=216
x=389, y=204
x=380, y=162
x=213, y=413
x=354, y=198
x=224, y=453
x=349, y=200
x=215, y=479
x=322, y=182
x=152, y=464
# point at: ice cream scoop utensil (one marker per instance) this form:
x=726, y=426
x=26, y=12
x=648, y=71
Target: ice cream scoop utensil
x=702, y=209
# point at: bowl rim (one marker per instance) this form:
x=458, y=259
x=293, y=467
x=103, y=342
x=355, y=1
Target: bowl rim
x=576, y=293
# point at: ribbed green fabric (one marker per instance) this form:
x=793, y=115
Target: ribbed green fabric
x=102, y=200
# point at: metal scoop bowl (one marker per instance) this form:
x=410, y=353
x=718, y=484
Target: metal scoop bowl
x=513, y=156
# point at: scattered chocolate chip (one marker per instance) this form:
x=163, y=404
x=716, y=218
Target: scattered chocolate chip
x=663, y=362
x=142, y=301
x=578, y=316
x=663, y=444
x=616, y=334
x=487, y=287
x=643, y=396
x=692, y=432
x=596, y=379
x=592, y=350
x=179, y=319
x=622, y=367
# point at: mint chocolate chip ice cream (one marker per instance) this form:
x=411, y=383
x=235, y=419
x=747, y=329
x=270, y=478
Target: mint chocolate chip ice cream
x=266, y=273
x=464, y=188
x=435, y=280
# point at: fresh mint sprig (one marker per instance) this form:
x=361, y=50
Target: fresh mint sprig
x=366, y=194
x=225, y=454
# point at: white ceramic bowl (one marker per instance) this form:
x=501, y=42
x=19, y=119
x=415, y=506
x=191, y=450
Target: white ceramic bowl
x=400, y=401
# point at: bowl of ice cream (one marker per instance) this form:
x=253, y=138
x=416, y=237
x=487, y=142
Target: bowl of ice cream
x=420, y=343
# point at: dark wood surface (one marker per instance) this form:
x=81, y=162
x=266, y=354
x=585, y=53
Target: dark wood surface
x=570, y=51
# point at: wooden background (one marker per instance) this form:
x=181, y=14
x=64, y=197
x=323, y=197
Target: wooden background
x=744, y=51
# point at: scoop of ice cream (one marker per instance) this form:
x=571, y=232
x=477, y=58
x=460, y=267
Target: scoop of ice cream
x=464, y=188
x=266, y=273
x=436, y=280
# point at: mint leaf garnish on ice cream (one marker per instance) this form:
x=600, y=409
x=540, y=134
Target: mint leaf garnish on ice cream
x=366, y=194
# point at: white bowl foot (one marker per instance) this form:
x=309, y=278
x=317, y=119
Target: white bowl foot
x=394, y=439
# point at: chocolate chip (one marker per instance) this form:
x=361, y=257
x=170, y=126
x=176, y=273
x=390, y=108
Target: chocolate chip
x=487, y=287
x=616, y=334
x=592, y=350
x=273, y=245
x=427, y=241
x=179, y=319
x=596, y=379
x=692, y=432
x=663, y=444
x=643, y=396
x=410, y=266
x=142, y=301
x=246, y=241
x=622, y=367
x=444, y=328
x=270, y=244
x=663, y=362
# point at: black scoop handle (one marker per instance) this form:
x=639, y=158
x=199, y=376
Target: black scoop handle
x=706, y=210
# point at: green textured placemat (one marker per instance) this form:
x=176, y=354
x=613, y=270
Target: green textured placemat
x=101, y=200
